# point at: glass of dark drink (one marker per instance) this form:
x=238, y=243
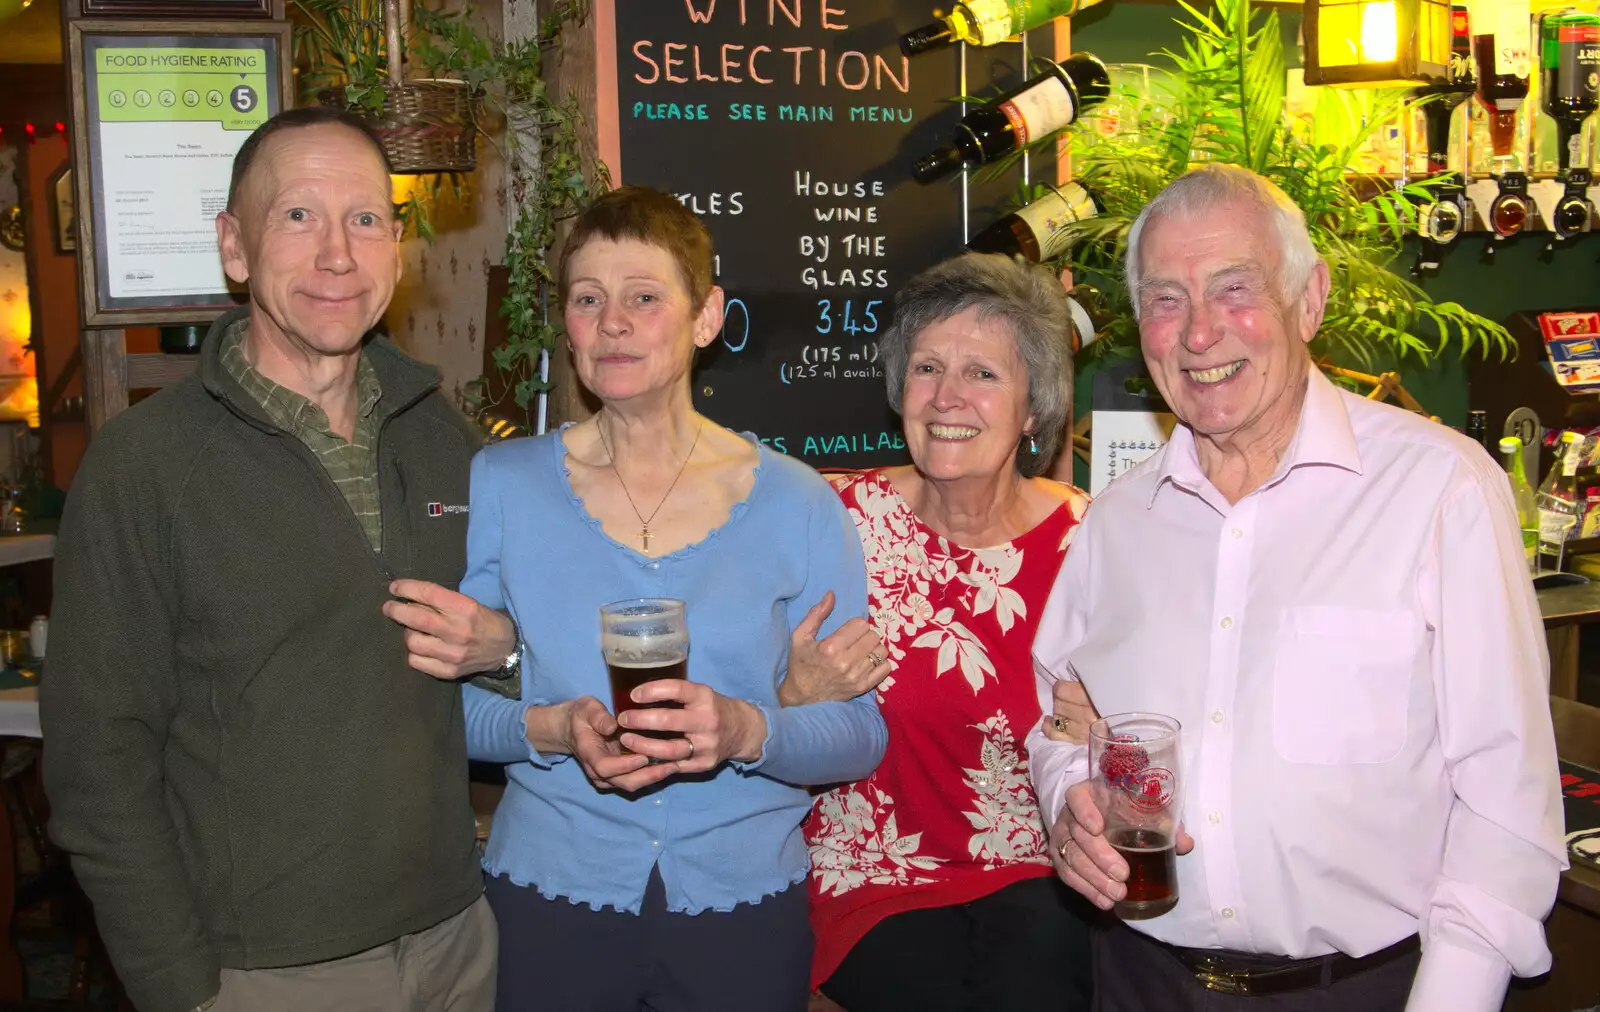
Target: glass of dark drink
x=1134, y=774
x=644, y=640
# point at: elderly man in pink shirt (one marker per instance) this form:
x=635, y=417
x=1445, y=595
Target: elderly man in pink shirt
x=1330, y=595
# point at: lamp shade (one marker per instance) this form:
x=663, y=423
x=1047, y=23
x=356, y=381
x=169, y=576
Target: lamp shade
x=1377, y=43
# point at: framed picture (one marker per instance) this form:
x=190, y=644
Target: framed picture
x=159, y=108
x=186, y=9
x=63, y=221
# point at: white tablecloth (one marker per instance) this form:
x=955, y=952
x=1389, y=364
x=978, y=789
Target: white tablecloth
x=19, y=712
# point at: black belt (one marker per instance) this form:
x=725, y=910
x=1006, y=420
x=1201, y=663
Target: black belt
x=1251, y=974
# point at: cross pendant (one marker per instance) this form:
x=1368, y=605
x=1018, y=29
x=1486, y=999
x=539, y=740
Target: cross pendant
x=644, y=535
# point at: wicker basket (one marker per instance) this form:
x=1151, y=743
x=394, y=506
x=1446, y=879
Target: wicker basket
x=425, y=126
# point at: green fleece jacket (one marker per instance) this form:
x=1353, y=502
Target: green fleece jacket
x=240, y=762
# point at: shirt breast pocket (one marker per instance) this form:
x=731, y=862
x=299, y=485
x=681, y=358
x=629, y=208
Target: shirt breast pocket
x=1341, y=684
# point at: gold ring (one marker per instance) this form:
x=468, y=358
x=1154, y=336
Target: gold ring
x=1062, y=850
x=1061, y=723
x=876, y=658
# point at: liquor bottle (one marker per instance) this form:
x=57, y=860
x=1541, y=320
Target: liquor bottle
x=1478, y=428
x=1523, y=497
x=1558, y=497
x=1042, y=106
x=1038, y=232
x=1501, y=51
x=1457, y=86
x=1569, y=74
x=987, y=22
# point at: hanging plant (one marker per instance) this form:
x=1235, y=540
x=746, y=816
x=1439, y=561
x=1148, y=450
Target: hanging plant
x=1224, y=102
x=542, y=149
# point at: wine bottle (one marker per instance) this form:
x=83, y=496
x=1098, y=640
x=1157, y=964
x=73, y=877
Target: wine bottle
x=1042, y=106
x=1038, y=232
x=988, y=22
x=1569, y=76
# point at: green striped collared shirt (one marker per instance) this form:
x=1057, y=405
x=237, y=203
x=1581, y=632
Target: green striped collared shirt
x=352, y=464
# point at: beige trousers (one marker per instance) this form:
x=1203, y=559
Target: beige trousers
x=450, y=967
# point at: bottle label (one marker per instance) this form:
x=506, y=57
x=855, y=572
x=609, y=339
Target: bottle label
x=1572, y=458
x=1578, y=63
x=1042, y=109
x=1554, y=525
x=1049, y=216
x=990, y=21
x=1511, y=20
x=1460, y=71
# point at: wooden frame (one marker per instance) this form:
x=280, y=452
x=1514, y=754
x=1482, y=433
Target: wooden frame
x=99, y=307
x=63, y=214
x=188, y=10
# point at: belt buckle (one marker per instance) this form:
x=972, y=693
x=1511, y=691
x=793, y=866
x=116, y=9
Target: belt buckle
x=1214, y=978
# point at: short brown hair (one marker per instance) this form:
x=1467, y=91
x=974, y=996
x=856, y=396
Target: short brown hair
x=649, y=216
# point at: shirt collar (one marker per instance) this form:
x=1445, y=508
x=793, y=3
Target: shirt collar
x=1323, y=437
x=285, y=407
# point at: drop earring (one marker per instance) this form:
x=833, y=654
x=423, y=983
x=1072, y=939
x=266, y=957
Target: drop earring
x=1033, y=445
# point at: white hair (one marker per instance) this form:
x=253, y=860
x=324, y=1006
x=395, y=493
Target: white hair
x=1215, y=185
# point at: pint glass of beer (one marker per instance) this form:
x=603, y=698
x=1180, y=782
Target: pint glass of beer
x=644, y=639
x=1134, y=776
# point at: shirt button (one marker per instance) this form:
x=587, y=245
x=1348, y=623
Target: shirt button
x=1216, y=716
x=1226, y=623
x=1215, y=818
x=1237, y=533
x=658, y=802
x=1227, y=913
x=655, y=843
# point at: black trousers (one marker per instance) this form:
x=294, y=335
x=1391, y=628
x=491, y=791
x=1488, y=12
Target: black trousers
x=1025, y=947
x=557, y=956
x=1135, y=974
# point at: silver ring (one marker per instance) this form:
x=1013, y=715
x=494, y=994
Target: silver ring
x=876, y=658
x=691, y=748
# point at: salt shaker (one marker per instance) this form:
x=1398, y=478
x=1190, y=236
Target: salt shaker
x=38, y=631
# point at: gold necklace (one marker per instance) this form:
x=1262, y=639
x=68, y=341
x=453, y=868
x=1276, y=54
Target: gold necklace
x=644, y=521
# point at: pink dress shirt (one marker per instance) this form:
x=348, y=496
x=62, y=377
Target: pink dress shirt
x=1357, y=659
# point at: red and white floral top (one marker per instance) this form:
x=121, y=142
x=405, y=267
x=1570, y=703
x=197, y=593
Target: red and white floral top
x=949, y=815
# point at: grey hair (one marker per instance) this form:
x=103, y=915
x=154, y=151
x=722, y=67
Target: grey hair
x=1218, y=185
x=1028, y=300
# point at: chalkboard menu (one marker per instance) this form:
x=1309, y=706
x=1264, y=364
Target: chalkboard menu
x=789, y=127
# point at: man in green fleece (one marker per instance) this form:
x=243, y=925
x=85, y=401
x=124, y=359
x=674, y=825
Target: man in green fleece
x=267, y=806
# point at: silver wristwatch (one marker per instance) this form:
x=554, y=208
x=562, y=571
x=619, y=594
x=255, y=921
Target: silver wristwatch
x=511, y=666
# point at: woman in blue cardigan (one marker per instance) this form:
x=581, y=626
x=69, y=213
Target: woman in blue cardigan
x=631, y=872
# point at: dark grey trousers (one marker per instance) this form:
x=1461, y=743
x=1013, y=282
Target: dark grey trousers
x=1134, y=974
x=558, y=956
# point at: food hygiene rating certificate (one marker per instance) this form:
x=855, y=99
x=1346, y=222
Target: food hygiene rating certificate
x=165, y=123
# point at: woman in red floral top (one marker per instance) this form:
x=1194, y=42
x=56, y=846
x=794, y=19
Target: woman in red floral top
x=931, y=887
